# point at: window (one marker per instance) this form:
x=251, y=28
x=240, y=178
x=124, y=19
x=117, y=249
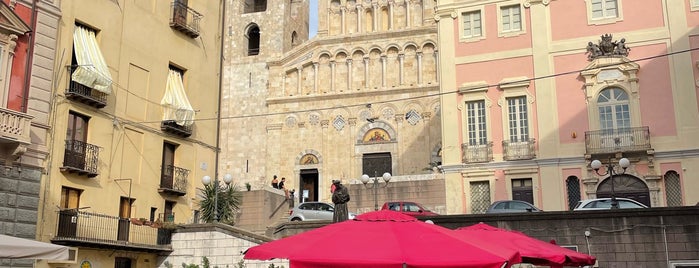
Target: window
x=511, y=18
x=376, y=164
x=253, y=36
x=480, y=196
x=254, y=6
x=518, y=120
x=168, y=215
x=522, y=190
x=602, y=9
x=176, y=106
x=471, y=23
x=168, y=165
x=673, y=190
x=77, y=127
x=90, y=67
x=476, y=123
x=694, y=5
x=613, y=108
x=77, y=152
x=70, y=197
x=573, y=188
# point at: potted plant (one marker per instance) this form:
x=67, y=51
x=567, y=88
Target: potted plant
x=248, y=186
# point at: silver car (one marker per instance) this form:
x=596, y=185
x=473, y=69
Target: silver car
x=606, y=203
x=511, y=206
x=310, y=211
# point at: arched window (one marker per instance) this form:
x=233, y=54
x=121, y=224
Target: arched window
x=613, y=109
x=253, y=40
x=294, y=39
x=573, y=188
x=673, y=189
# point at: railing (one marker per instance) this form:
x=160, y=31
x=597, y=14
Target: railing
x=518, y=150
x=185, y=19
x=477, y=153
x=15, y=126
x=174, y=179
x=166, y=217
x=617, y=140
x=170, y=126
x=81, y=157
x=79, y=228
x=82, y=93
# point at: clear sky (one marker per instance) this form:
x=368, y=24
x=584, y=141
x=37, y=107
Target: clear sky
x=313, y=22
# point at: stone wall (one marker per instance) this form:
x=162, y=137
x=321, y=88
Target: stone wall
x=19, y=203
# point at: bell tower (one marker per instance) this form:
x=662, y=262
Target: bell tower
x=256, y=32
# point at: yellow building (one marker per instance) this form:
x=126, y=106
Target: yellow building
x=133, y=126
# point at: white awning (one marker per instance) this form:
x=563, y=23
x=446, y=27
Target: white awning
x=175, y=103
x=92, y=71
x=19, y=248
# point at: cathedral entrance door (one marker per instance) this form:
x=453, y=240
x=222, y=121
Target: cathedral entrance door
x=309, y=185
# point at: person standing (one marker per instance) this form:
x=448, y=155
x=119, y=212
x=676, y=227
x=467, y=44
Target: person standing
x=340, y=198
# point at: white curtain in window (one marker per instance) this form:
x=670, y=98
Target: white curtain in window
x=175, y=103
x=92, y=70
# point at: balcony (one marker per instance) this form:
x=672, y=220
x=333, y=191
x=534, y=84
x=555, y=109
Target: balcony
x=87, y=229
x=14, y=127
x=477, y=153
x=170, y=126
x=184, y=19
x=81, y=158
x=518, y=150
x=173, y=180
x=635, y=139
x=84, y=94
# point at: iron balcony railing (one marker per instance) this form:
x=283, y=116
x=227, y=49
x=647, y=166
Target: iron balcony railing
x=477, y=153
x=170, y=126
x=518, y=150
x=617, y=140
x=166, y=217
x=174, y=180
x=185, y=19
x=84, y=94
x=98, y=230
x=81, y=157
x=15, y=126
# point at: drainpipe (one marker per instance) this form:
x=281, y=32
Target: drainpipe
x=29, y=60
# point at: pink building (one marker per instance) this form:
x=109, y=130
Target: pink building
x=534, y=91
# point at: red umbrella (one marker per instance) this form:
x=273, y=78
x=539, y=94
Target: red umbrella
x=532, y=250
x=382, y=239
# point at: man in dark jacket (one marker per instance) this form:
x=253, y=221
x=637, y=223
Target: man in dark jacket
x=340, y=198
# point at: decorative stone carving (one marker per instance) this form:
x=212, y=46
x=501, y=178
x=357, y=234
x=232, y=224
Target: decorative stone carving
x=607, y=48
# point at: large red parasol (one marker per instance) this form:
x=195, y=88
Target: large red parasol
x=382, y=239
x=532, y=250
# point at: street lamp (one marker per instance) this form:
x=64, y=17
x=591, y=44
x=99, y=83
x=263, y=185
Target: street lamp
x=365, y=179
x=206, y=180
x=623, y=163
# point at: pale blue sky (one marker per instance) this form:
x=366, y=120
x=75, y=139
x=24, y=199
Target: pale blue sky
x=313, y=19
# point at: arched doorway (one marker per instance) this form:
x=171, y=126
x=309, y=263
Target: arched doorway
x=626, y=186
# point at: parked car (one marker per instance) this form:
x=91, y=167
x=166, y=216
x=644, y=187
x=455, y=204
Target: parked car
x=606, y=203
x=511, y=206
x=408, y=208
x=310, y=211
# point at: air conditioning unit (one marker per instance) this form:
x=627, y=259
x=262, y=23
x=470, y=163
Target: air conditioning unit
x=72, y=257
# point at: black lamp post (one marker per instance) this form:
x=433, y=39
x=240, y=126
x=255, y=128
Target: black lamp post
x=365, y=179
x=206, y=180
x=623, y=163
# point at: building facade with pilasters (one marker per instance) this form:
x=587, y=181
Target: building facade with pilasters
x=534, y=91
x=133, y=127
